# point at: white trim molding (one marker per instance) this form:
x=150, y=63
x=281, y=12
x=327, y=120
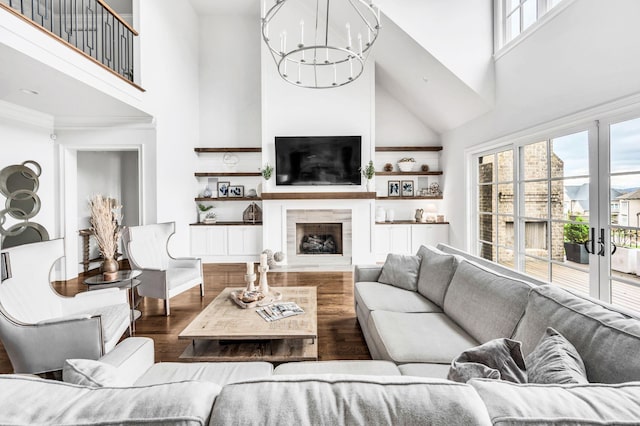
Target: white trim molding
x=25, y=115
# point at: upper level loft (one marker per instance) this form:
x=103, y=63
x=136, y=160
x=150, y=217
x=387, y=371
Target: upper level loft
x=90, y=27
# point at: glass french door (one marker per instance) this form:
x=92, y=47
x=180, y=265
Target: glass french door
x=567, y=210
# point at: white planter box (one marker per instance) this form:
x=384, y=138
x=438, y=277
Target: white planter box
x=625, y=260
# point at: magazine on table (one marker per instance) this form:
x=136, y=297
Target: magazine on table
x=279, y=310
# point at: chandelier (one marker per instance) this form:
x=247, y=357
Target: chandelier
x=310, y=49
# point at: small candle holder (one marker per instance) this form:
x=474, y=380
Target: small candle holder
x=250, y=279
x=264, y=284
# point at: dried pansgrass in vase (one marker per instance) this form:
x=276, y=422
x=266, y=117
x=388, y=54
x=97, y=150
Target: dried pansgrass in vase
x=104, y=224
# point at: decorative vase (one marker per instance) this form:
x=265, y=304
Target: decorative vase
x=109, y=269
x=371, y=185
x=207, y=193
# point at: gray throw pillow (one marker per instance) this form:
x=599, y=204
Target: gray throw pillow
x=87, y=372
x=499, y=359
x=401, y=271
x=436, y=271
x=555, y=361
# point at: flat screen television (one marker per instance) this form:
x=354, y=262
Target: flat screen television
x=318, y=160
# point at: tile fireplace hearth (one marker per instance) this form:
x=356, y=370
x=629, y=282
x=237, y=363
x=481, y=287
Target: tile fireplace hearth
x=319, y=236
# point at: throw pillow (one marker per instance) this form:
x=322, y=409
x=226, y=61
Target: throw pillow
x=499, y=359
x=555, y=361
x=436, y=271
x=401, y=271
x=87, y=372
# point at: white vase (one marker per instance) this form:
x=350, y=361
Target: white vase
x=371, y=185
x=391, y=214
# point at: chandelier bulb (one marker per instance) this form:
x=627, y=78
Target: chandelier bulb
x=348, y=35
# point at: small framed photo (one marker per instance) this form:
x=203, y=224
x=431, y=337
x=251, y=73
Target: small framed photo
x=223, y=189
x=236, y=191
x=393, y=187
x=407, y=188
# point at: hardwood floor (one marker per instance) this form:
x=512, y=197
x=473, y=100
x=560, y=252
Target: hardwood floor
x=339, y=335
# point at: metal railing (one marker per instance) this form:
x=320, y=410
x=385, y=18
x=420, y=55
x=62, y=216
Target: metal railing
x=89, y=25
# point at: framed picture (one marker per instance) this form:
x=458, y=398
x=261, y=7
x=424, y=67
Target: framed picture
x=407, y=188
x=393, y=187
x=236, y=191
x=223, y=189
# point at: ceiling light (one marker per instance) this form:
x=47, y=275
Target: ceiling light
x=29, y=92
x=315, y=50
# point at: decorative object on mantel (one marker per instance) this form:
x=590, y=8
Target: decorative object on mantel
x=206, y=216
x=369, y=172
x=431, y=212
x=252, y=214
x=393, y=188
x=207, y=193
x=440, y=218
x=250, y=277
x=311, y=61
x=278, y=256
x=266, y=171
x=105, y=218
x=406, y=164
x=434, y=189
x=388, y=167
x=230, y=162
x=391, y=215
x=425, y=167
x=270, y=261
x=19, y=184
x=223, y=189
x=419, y=214
x=407, y=188
x=251, y=193
x=380, y=214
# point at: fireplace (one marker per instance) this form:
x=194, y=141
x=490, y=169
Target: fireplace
x=319, y=236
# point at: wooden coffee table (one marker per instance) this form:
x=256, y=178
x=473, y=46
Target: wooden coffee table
x=223, y=331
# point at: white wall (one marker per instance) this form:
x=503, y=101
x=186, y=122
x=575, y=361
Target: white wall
x=229, y=84
x=169, y=41
x=583, y=58
x=20, y=142
x=397, y=126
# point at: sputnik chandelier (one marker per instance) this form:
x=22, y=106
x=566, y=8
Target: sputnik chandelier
x=321, y=44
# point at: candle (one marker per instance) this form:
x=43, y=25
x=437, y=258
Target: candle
x=368, y=35
x=249, y=268
x=360, y=43
x=284, y=41
x=285, y=67
x=281, y=45
x=301, y=33
x=378, y=15
x=350, y=68
x=327, y=59
x=266, y=31
x=264, y=8
x=299, y=79
x=263, y=260
x=348, y=36
x=335, y=74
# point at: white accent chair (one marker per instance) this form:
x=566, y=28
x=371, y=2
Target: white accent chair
x=39, y=328
x=162, y=275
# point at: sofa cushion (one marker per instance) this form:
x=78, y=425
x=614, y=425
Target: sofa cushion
x=607, y=340
x=555, y=361
x=220, y=373
x=531, y=404
x=39, y=401
x=378, y=296
x=401, y=271
x=348, y=400
x=417, y=337
x=365, y=367
x=485, y=304
x=498, y=359
x=436, y=271
x=88, y=372
x=425, y=369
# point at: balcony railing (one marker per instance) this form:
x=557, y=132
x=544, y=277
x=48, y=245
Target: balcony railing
x=90, y=26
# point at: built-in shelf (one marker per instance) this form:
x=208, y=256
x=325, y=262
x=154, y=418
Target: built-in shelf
x=411, y=222
x=407, y=148
x=418, y=197
x=229, y=174
x=228, y=199
x=318, y=195
x=416, y=173
x=223, y=150
x=227, y=224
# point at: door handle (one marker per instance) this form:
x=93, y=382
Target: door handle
x=614, y=248
x=601, y=242
x=590, y=242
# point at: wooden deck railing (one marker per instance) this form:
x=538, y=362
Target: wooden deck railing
x=89, y=26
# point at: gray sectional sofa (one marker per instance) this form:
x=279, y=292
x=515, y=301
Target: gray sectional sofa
x=414, y=329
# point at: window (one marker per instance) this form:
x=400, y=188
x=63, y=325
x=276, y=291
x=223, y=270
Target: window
x=518, y=15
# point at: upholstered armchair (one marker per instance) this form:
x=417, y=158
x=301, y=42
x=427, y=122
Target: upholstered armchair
x=162, y=275
x=39, y=328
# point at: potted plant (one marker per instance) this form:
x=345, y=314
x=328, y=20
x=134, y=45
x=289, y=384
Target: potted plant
x=105, y=218
x=369, y=172
x=406, y=164
x=575, y=235
x=204, y=213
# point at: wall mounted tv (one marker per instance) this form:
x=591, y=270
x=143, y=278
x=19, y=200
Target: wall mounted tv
x=318, y=160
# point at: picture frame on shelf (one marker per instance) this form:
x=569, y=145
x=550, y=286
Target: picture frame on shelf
x=223, y=189
x=236, y=191
x=406, y=188
x=393, y=188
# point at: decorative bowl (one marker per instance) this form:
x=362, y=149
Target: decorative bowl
x=406, y=166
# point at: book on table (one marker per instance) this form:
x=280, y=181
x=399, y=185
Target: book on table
x=279, y=310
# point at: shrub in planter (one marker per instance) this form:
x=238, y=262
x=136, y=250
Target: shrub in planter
x=575, y=235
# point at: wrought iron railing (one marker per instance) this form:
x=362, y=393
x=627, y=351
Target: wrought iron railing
x=625, y=236
x=89, y=25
